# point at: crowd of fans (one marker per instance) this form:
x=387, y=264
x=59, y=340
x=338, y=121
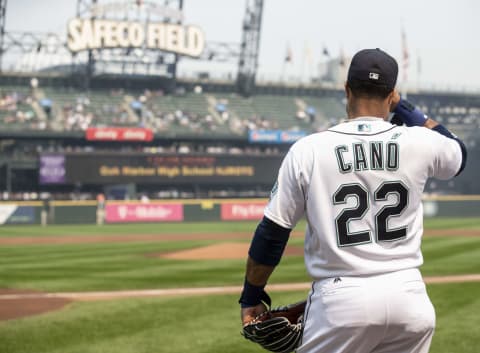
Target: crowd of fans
x=77, y=111
x=19, y=110
x=142, y=195
x=173, y=194
x=15, y=109
x=28, y=150
x=76, y=115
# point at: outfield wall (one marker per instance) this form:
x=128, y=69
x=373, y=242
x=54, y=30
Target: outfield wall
x=89, y=212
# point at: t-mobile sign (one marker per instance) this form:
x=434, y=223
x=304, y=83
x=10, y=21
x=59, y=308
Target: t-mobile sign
x=139, y=212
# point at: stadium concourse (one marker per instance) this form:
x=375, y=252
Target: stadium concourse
x=47, y=115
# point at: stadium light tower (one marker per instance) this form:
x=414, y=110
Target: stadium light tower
x=84, y=6
x=249, y=47
x=84, y=9
x=3, y=7
x=137, y=59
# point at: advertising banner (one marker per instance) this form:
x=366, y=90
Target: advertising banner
x=265, y=136
x=118, y=134
x=242, y=211
x=275, y=136
x=143, y=212
x=291, y=136
x=171, y=169
x=14, y=214
x=52, y=169
x=6, y=211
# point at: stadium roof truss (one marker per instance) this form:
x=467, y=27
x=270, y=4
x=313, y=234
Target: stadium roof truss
x=38, y=51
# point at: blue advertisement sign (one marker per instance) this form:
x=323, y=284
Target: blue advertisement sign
x=275, y=136
x=13, y=214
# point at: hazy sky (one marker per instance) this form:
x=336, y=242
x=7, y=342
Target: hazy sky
x=442, y=35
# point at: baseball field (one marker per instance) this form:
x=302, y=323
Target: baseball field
x=174, y=287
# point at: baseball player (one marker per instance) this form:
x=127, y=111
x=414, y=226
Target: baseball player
x=359, y=184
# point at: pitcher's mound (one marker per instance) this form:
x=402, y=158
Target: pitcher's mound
x=223, y=251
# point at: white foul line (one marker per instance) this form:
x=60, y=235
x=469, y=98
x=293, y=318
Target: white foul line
x=106, y=295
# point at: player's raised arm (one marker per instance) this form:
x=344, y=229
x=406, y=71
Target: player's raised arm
x=407, y=113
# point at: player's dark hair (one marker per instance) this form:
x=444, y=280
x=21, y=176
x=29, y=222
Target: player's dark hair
x=365, y=89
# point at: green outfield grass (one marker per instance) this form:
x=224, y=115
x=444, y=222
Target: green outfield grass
x=116, y=229
x=201, y=324
x=212, y=325
x=113, y=266
x=197, y=227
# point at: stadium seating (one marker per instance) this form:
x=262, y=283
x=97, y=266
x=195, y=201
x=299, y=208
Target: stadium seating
x=15, y=109
x=189, y=113
x=460, y=113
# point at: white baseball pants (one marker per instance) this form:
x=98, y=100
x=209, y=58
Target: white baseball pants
x=388, y=313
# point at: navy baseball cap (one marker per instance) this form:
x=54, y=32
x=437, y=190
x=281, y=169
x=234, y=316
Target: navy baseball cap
x=374, y=66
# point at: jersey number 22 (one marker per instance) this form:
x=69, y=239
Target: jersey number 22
x=383, y=233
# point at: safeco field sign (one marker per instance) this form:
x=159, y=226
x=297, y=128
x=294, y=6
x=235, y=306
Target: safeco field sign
x=84, y=34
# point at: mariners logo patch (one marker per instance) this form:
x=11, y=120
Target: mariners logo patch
x=364, y=128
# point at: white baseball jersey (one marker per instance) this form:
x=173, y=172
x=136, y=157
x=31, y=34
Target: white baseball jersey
x=360, y=185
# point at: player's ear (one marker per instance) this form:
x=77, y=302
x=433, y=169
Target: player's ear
x=348, y=92
x=391, y=99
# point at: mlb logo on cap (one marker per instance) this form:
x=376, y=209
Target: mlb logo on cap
x=375, y=67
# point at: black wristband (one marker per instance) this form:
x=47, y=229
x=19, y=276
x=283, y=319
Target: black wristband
x=444, y=131
x=253, y=295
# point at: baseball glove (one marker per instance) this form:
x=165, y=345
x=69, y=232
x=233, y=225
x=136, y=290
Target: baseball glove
x=277, y=330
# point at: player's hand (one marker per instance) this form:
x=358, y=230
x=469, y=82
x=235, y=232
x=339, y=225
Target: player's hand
x=395, y=100
x=250, y=313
